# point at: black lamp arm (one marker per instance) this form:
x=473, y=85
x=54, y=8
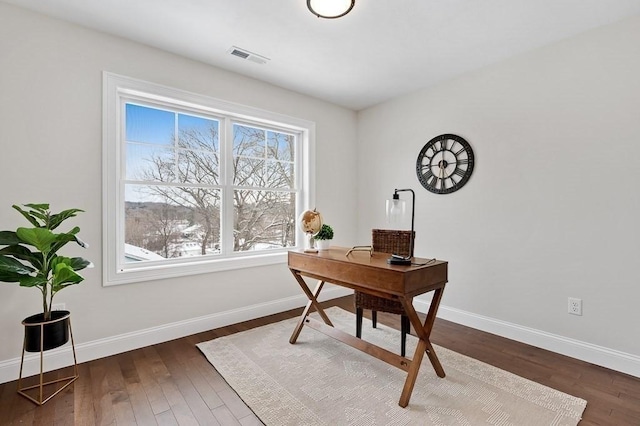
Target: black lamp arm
x=413, y=210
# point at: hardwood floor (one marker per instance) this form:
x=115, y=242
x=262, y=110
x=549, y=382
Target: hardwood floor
x=173, y=384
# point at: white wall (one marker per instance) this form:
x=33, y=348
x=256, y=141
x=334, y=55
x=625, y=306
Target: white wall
x=50, y=145
x=552, y=207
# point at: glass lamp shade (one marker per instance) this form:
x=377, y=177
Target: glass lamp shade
x=330, y=9
x=395, y=210
x=395, y=213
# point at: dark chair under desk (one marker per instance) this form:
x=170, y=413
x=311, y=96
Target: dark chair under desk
x=386, y=241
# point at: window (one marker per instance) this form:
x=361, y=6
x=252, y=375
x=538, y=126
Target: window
x=193, y=184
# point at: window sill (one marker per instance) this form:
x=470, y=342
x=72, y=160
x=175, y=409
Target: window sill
x=158, y=272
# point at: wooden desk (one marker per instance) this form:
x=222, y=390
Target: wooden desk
x=372, y=274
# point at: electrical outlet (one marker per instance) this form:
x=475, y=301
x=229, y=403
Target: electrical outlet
x=575, y=306
x=58, y=307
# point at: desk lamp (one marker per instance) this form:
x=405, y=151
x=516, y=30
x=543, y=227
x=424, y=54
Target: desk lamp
x=395, y=211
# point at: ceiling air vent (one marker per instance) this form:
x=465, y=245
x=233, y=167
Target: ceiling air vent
x=245, y=54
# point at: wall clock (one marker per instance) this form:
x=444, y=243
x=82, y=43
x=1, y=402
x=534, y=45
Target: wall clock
x=445, y=164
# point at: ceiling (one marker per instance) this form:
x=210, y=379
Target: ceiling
x=382, y=49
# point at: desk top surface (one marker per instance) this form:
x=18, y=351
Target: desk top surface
x=363, y=257
x=360, y=270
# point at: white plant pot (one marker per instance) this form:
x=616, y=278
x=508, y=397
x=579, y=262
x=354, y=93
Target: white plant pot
x=323, y=244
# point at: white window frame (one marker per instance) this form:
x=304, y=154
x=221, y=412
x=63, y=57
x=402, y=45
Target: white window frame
x=116, y=89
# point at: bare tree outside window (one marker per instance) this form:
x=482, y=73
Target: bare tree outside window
x=174, y=191
x=264, y=206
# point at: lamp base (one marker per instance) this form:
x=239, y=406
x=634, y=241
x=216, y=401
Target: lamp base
x=397, y=260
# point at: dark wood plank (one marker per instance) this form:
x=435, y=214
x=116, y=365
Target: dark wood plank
x=138, y=398
x=179, y=406
x=120, y=402
x=47, y=411
x=166, y=419
x=251, y=420
x=64, y=401
x=84, y=413
x=178, y=370
x=225, y=416
x=233, y=402
x=172, y=383
x=204, y=388
x=102, y=402
x=14, y=408
x=149, y=380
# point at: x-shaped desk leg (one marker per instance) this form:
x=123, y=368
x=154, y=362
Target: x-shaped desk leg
x=313, y=301
x=423, y=331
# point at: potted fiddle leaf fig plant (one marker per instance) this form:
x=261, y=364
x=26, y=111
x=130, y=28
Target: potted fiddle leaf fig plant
x=29, y=256
x=324, y=237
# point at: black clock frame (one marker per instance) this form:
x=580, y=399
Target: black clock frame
x=454, y=166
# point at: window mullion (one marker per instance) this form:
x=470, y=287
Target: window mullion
x=226, y=151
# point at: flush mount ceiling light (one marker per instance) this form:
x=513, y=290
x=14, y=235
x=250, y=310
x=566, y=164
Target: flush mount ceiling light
x=330, y=9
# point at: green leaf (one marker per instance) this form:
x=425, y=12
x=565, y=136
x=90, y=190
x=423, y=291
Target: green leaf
x=28, y=216
x=58, y=218
x=10, y=277
x=59, y=260
x=11, y=264
x=63, y=239
x=42, y=208
x=75, y=263
x=36, y=281
x=8, y=238
x=23, y=253
x=12, y=270
x=78, y=263
x=64, y=276
x=40, y=238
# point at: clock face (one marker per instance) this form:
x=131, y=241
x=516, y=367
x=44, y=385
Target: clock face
x=445, y=164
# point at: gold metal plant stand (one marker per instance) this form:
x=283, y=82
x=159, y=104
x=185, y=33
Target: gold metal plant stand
x=40, y=400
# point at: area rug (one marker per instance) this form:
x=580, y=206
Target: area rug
x=321, y=381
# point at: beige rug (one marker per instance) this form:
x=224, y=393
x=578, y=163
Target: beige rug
x=321, y=381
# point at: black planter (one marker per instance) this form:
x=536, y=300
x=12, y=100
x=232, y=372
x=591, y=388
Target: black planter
x=52, y=333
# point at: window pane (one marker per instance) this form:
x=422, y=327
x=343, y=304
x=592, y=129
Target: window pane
x=198, y=167
x=248, y=172
x=198, y=133
x=164, y=222
x=199, y=152
x=263, y=220
x=280, y=146
x=279, y=174
x=149, y=162
x=250, y=168
x=248, y=141
x=149, y=125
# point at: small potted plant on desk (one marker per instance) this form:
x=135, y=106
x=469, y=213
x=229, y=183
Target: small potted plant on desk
x=324, y=237
x=29, y=256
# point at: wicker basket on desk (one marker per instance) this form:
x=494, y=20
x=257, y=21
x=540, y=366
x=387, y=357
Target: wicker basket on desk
x=392, y=242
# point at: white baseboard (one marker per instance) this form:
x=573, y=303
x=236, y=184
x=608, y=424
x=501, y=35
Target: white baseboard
x=63, y=356
x=594, y=354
